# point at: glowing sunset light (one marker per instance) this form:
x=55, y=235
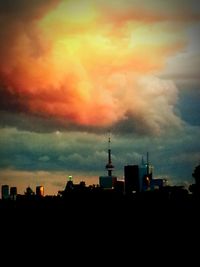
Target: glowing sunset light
x=73, y=70
x=73, y=59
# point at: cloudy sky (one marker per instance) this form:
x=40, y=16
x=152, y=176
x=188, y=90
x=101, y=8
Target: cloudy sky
x=71, y=71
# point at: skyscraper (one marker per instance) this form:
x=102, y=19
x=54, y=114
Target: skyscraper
x=138, y=177
x=131, y=177
x=5, y=192
x=145, y=174
x=40, y=191
x=13, y=193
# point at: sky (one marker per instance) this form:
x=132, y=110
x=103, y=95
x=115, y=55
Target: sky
x=73, y=71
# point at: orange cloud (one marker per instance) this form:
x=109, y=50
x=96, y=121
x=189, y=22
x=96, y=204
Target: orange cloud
x=71, y=63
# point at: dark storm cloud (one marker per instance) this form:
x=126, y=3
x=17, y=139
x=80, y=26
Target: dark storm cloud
x=27, y=122
x=131, y=125
x=10, y=101
x=173, y=156
x=24, y=8
x=56, y=151
x=188, y=105
x=16, y=18
x=137, y=125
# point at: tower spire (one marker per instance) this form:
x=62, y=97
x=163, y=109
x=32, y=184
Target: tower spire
x=142, y=160
x=109, y=165
x=147, y=163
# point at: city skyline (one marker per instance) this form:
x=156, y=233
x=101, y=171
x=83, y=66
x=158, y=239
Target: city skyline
x=73, y=71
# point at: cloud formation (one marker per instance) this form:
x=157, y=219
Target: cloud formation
x=83, y=66
x=69, y=67
x=49, y=158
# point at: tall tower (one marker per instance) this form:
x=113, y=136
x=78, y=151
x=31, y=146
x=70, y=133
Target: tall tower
x=147, y=163
x=108, y=182
x=109, y=165
x=146, y=174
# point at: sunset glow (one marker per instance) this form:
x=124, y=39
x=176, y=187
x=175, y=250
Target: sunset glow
x=73, y=70
x=75, y=63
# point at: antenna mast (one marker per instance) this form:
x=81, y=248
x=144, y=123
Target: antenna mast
x=109, y=165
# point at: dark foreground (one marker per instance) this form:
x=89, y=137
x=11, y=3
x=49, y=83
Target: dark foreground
x=76, y=208
x=98, y=229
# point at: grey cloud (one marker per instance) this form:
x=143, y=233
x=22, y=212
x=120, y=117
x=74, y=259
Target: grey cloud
x=44, y=158
x=188, y=104
x=148, y=110
x=132, y=124
x=87, y=153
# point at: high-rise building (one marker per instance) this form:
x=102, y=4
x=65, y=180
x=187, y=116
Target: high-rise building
x=107, y=181
x=145, y=174
x=40, y=191
x=5, y=192
x=29, y=192
x=13, y=193
x=131, y=178
x=138, y=177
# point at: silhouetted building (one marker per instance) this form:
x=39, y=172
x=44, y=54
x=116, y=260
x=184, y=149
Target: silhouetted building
x=119, y=186
x=108, y=181
x=145, y=174
x=13, y=193
x=70, y=185
x=82, y=184
x=138, y=177
x=131, y=178
x=40, y=191
x=5, y=192
x=29, y=192
x=158, y=183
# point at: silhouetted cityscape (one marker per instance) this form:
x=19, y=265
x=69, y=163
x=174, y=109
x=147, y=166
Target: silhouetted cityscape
x=138, y=209
x=137, y=186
